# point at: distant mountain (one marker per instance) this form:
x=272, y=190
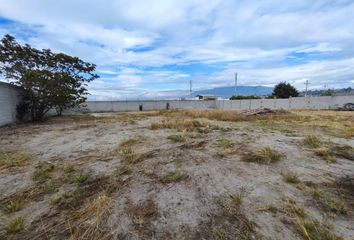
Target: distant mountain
x=227, y=92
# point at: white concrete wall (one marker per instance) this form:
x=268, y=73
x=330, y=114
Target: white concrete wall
x=9, y=98
x=291, y=103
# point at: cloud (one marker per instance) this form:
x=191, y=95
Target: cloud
x=155, y=47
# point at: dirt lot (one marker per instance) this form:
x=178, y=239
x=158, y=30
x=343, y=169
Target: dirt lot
x=179, y=175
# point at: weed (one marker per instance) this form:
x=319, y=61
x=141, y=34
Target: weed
x=129, y=155
x=60, y=198
x=13, y=160
x=131, y=141
x=142, y=212
x=224, y=143
x=291, y=178
x=312, y=141
x=268, y=208
x=218, y=233
x=330, y=203
x=180, y=125
x=265, y=155
x=15, y=225
x=343, y=151
x=14, y=206
x=311, y=229
x=176, y=176
x=177, y=138
x=325, y=153
x=43, y=172
x=49, y=188
x=68, y=168
x=81, y=178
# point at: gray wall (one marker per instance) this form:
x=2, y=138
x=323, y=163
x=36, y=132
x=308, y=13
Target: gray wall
x=291, y=103
x=9, y=98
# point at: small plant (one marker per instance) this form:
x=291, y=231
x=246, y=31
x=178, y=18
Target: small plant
x=176, y=176
x=14, y=206
x=330, y=203
x=13, y=160
x=325, y=153
x=268, y=208
x=15, y=225
x=224, y=143
x=310, y=229
x=263, y=156
x=49, y=188
x=177, y=138
x=312, y=141
x=68, y=168
x=343, y=151
x=60, y=198
x=81, y=178
x=131, y=141
x=237, y=198
x=291, y=178
x=43, y=172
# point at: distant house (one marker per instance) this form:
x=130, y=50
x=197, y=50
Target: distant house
x=207, y=97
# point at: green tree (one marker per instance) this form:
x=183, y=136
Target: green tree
x=49, y=80
x=239, y=97
x=284, y=90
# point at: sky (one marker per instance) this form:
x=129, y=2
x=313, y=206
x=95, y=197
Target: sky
x=153, y=48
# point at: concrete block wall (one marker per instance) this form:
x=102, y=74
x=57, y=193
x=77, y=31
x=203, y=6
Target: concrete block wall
x=9, y=98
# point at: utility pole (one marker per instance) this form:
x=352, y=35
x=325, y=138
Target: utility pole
x=235, y=84
x=307, y=84
x=190, y=86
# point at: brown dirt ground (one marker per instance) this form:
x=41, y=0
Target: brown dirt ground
x=154, y=188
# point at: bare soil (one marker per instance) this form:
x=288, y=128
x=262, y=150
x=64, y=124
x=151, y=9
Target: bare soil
x=120, y=176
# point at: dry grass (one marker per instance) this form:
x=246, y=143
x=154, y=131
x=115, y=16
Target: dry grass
x=308, y=228
x=43, y=172
x=291, y=178
x=177, y=138
x=15, y=225
x=143, y=212
x=13, y=206
x=180, y=124
x=131, y=141
x=312, y=141
x=225, y=143
x=175, y=176
x=13, y=161
x=330, y=202
x=265, y=155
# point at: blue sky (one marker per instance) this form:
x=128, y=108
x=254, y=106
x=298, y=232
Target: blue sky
x=154, y=48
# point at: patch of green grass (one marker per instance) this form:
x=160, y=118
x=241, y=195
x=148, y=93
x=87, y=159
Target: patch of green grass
x=176, y=176
x=177, y=138
x=13, y=160
x=268, y=208
x=14, y=206
x=15, y=225
x=81, y=178
x=330, y=202
x=265, y=155
x=131, y=141
x=313, y=230
x=49, y=188
x=291, y=178
x=325, y=153
x=343, y=151
x=60, y=198
x=312, y=141
x=224, y=143
x=218, y=233
x=43, y=172
x=68, y=168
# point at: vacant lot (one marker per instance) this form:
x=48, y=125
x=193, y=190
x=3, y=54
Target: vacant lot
x=179, y=175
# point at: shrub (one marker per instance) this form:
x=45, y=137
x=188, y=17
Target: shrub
x=264, y=156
